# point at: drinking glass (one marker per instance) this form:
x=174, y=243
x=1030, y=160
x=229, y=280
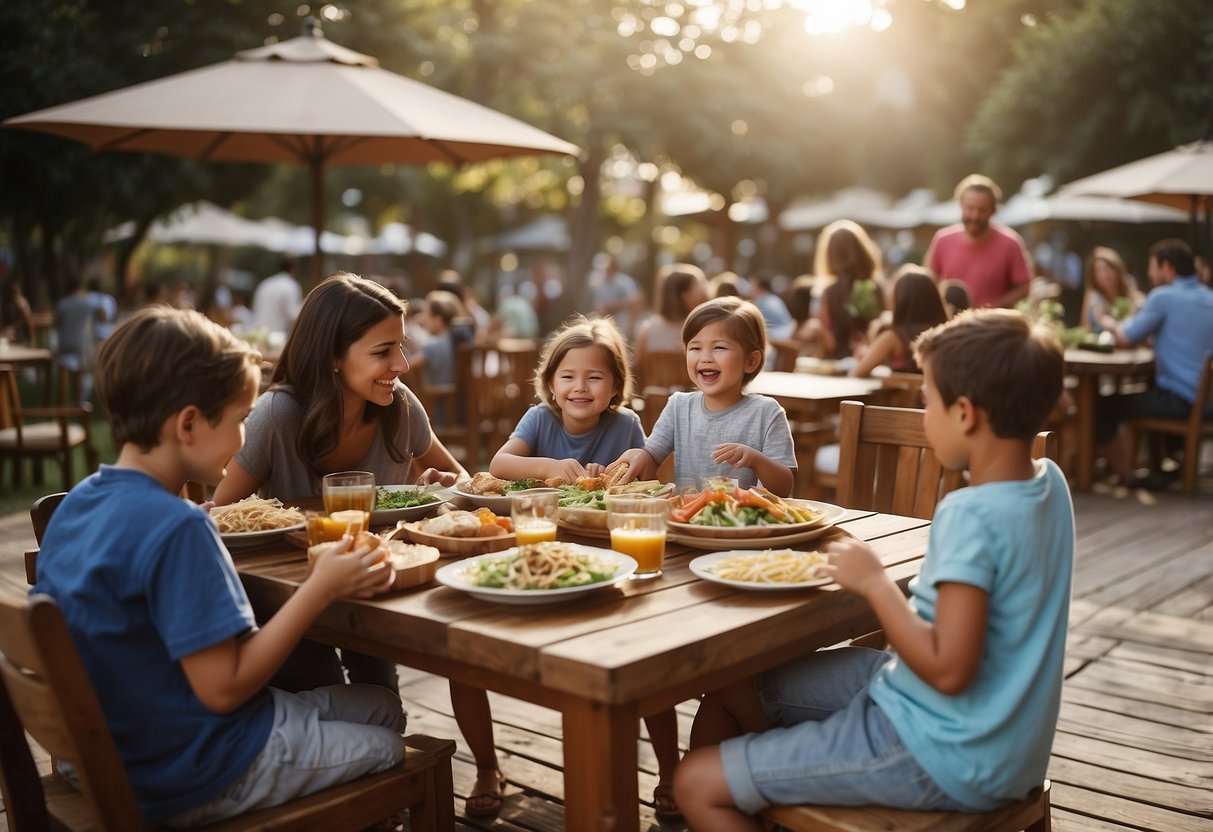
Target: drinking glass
x=349, y=491
x=534, y=515
x=637, y=523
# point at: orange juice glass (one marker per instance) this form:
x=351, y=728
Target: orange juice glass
x=348, y=490
x=534, y=515
x=322, y=528
x=637, y=523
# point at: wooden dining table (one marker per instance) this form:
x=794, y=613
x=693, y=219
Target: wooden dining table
x=1088, y=367
x=26, y=355
x=610, y=657
x=811, y=396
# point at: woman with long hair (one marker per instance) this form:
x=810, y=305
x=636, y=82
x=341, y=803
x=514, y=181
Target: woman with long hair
x=849, y=263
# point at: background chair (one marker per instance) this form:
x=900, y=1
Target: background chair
x=659, y=374
x=38, y=433
x=1194, y=430
x=47, y=692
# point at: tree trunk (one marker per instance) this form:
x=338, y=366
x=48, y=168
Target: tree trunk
x=583, y=230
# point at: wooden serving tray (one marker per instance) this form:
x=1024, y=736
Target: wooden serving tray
x=457, y=546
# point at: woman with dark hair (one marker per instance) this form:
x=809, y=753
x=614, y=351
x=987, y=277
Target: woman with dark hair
x=335, y=403
x=917, y=306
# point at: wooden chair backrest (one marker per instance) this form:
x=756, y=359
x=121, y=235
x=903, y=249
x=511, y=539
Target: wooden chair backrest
x=786, y=350
x=663, y=368
x=53, y=698
x=10, y=397
x=1204, y=390
x=902, y=389
x=886, y=464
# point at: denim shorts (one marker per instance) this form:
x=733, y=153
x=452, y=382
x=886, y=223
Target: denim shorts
x=320, y=738
x=834, y=745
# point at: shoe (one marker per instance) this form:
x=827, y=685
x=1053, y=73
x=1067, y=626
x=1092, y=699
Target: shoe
x=1154, y=481
x=1145, y=497
x=664, y=806
x=484, y=804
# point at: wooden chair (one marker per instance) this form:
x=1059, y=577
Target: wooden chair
x=500, y=388
x=453, y=402
x=38, y=433
x=47, y=692
x=659, y=374
x=1032, y=814
x=886, y=464
x=1195, y=429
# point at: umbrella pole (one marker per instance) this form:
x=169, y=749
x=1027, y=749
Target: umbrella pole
x=316, y=166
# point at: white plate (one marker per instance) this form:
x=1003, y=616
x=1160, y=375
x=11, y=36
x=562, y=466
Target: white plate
x=703, y=567
x=454, y=575
x=389, y=516
x=831, y=514
x=497, y=503
x=779, y=542
x=246, y=540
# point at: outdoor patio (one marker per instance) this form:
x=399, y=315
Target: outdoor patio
x=1134, y=748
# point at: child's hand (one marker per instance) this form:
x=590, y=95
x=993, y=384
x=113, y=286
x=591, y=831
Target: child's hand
x=595, y=469
x=736, y=454
x=433, y=475
x=640, y=465
x=854, y=565
x=567, y=469
x=360, y=573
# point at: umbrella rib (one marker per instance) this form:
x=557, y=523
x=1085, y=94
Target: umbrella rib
x=117, y=142
x=451, y=155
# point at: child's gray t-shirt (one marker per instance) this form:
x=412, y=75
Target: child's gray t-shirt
x=691, y=432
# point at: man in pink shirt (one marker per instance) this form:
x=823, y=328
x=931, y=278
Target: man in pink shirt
x=989, y=259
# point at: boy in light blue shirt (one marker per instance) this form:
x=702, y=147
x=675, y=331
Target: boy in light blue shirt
x=959, y=714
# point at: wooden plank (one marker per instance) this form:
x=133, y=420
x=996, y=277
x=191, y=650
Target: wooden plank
x=1138, y=733
x=1120, y=810
x=1065, y=821
x=1161, y=630
x=1151, y=711
x=1148, y=684
x=1125, y=758
x=1129, y=785
x=1163, y=656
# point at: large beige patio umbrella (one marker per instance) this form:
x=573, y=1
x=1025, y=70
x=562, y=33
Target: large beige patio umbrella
x=305, y=101
x=1182, y=178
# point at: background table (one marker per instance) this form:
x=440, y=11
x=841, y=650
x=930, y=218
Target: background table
x=1088, y=366
x=608, y=659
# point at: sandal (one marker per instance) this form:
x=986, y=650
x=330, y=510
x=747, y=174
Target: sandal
x=484, y=804
x=664, y=806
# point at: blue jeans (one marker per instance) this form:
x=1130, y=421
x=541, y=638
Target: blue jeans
x=320, y=738
x=834, y=747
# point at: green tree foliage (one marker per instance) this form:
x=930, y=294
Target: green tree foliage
x=1098, y=85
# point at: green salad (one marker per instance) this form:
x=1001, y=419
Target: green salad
x=521, y=485
x=402, y=498
x=572, y=496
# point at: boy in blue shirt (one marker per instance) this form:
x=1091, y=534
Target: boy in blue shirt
x=158, y=614
x=959, y=714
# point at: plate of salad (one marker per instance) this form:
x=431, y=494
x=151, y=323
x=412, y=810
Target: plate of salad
x=541, y=573
x=748, y=513
x=494, y=494
x=394, y=503
x=583, y=511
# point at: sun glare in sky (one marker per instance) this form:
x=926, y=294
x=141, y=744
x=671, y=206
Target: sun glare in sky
x=830, y=17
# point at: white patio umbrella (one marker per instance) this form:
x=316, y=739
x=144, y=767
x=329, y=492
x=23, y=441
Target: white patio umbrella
x=1024, y=210
x=305, y=101
x=1181, y=177
x=199, y=223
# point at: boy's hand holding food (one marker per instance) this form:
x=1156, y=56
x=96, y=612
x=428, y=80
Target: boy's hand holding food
x=355, y=567
x=854, y=565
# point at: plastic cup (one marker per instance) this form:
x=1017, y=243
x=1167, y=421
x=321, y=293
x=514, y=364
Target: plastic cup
x=349, y=491
x=721, y=483
x=534, y=515
x=638, y=524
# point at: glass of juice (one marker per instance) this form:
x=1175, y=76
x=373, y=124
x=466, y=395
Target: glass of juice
x=534, y=515
x=349, y=491
x=323, y=528
x=637, y=524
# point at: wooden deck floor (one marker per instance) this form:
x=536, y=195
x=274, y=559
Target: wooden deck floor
x=1134, y=747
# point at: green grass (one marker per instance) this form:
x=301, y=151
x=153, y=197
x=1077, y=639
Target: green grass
x=14, y=499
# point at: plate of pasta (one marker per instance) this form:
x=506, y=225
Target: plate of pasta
x=539, y=573
x=254, y=521
x=770, y=569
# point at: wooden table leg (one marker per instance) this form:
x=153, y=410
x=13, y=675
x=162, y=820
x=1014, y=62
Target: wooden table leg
x=600, y=768
x=1087, y=394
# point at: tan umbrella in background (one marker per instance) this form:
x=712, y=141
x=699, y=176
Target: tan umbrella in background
x=1182, y=178
x=305, y=101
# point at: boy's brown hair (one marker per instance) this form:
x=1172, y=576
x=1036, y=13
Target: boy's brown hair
x=1001, y=362
x=581, y=332
x=742, y=320
x=161, y=360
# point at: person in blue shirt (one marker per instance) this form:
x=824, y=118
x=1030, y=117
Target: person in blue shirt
x=1178, y=315
x=959, y=713
x=159, y=616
